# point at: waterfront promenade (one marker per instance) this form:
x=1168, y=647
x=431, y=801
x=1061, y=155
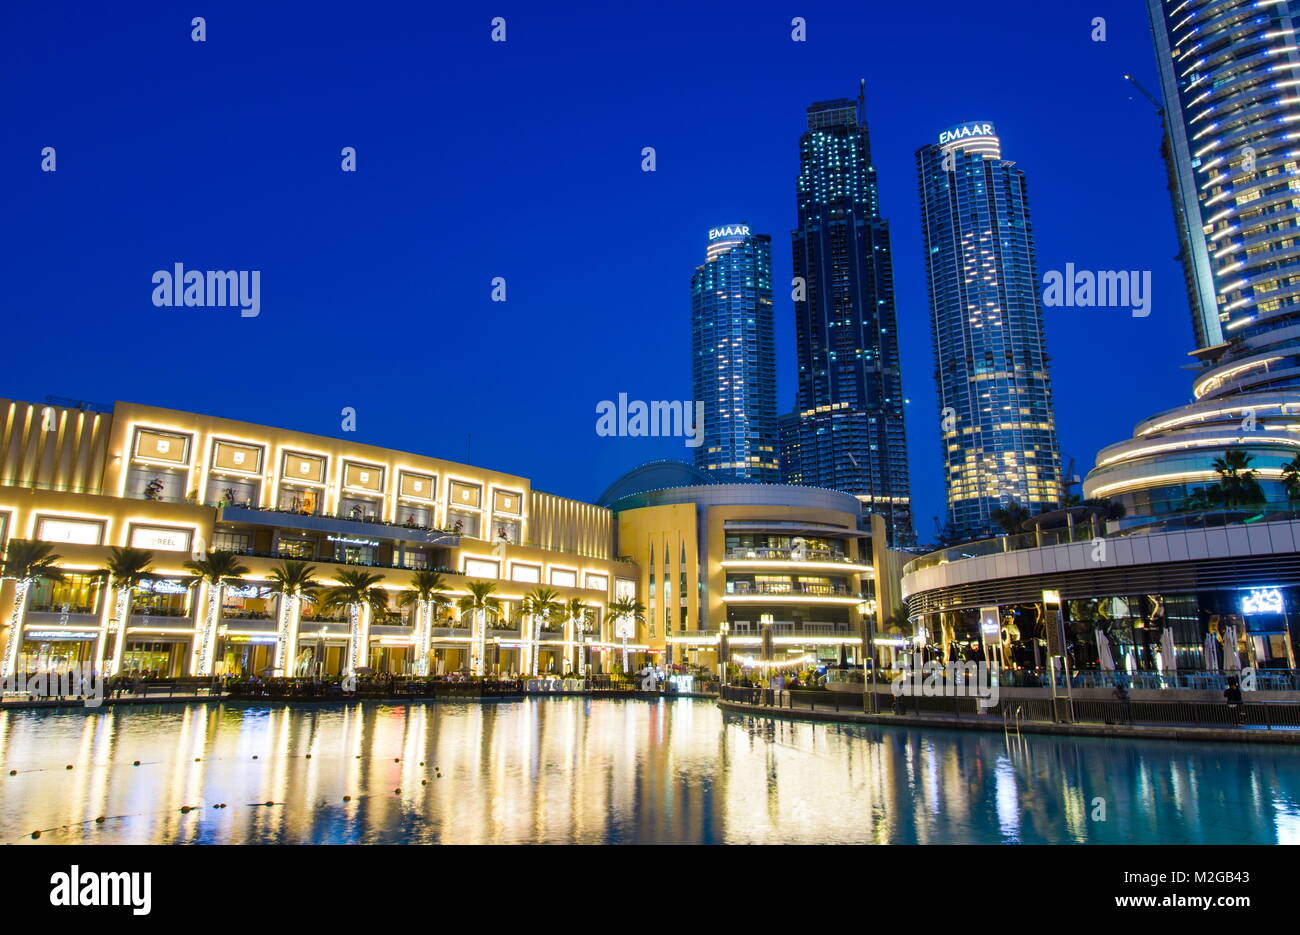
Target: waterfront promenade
x=1177, y=718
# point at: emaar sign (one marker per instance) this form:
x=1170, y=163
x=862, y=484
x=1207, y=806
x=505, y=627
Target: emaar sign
x=965, y=131
x=731, y=230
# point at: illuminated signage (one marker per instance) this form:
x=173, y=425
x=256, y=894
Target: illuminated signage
x=347, y=540
x=1262, y=601
x=164, y=586
x=965, y=131
x=155, y=537
x=70, y=531
x=731, y=230
x=990, y=621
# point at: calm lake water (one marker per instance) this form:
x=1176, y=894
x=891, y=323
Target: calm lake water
x=577, y=770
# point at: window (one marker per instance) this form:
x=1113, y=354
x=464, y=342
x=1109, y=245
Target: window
x=481, y=568
x=564, y=578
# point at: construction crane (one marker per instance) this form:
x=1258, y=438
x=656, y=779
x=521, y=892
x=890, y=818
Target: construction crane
x=1160, y=111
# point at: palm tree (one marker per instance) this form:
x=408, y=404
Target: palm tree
x=898, y=622
x=25, y=561
x=1238, y=486
x=479, y=604
x=1010, y=517
x=539, y=604
x=625, y=611
x=356, y=592
x=1291, y=480
x=579, y=615
x=217, y=570
x=295, y=582
x=127, y=569
x=426, y=595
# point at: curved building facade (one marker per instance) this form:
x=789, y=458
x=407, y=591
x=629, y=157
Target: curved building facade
x=1230, y=72
x=759, y=575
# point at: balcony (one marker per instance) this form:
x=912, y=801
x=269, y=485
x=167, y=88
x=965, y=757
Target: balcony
x=792, y=593
x=364, y=527
x=788, y=558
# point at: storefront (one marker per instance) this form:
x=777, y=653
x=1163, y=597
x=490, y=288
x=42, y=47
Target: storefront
x=155, y=657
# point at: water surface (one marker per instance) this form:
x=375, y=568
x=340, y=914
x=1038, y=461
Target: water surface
x=578, y=770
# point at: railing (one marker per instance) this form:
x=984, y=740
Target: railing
x=824, y=590
x=1250, y=714
x=1125, y=526
x=61, y=609
x=807, y=555
x=387, y=687
x=329, y=560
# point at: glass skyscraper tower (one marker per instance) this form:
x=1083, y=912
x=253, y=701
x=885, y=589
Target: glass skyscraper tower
x=1230, y=76
x=846, y=431
x=997, y=423
x=734, y=356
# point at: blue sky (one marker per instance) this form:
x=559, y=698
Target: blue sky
x=522, y=160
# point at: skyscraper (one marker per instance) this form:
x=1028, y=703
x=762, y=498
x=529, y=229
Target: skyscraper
x=846, y=431
x=996, y=419
x=1228, y=71
x=734, y=355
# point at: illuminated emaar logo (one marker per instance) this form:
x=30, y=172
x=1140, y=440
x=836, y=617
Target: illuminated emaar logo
x=1262, y=601
x=965, y=131
x=731, y=230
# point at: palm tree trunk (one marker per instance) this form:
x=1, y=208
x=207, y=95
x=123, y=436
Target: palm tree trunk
x=478, y=643
x=286, y=647
x=423, y=636
x=14, y=641
x=534, y=650
x=123, y=616
x=358, y=639
x=207, y=647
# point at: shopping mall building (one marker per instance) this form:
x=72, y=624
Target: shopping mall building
x=181, y=485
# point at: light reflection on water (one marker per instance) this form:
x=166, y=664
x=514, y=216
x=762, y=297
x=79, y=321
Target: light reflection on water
x=592, y=771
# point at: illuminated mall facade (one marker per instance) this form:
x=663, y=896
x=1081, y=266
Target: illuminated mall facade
x=183, y=486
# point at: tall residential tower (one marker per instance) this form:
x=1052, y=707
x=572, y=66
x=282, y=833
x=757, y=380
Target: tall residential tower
x=996, y=418
x=846, y=431
x=1230, y=75
x=734, y=356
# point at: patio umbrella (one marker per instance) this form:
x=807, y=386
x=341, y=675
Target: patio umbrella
x=1168, y=659
x=1231, y=660
x=1104, y=657
x=1211, y=653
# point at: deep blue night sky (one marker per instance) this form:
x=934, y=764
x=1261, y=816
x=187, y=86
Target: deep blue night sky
x=522, y=159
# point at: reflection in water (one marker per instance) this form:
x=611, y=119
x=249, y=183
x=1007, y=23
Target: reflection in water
x=580, y=770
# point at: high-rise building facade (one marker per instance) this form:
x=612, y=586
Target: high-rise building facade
x=997, y=422
x=734, y=356
x=1230, y=75
x=846, y=431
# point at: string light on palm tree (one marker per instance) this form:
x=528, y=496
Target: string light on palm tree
x=579, y=616
x=626, y=612
x=294, y=582
x=358, y=593
x=427, y=599
x=127, y=569
x=24, y=562
x=216, y=571
x=539, y=604
x=480, y=605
